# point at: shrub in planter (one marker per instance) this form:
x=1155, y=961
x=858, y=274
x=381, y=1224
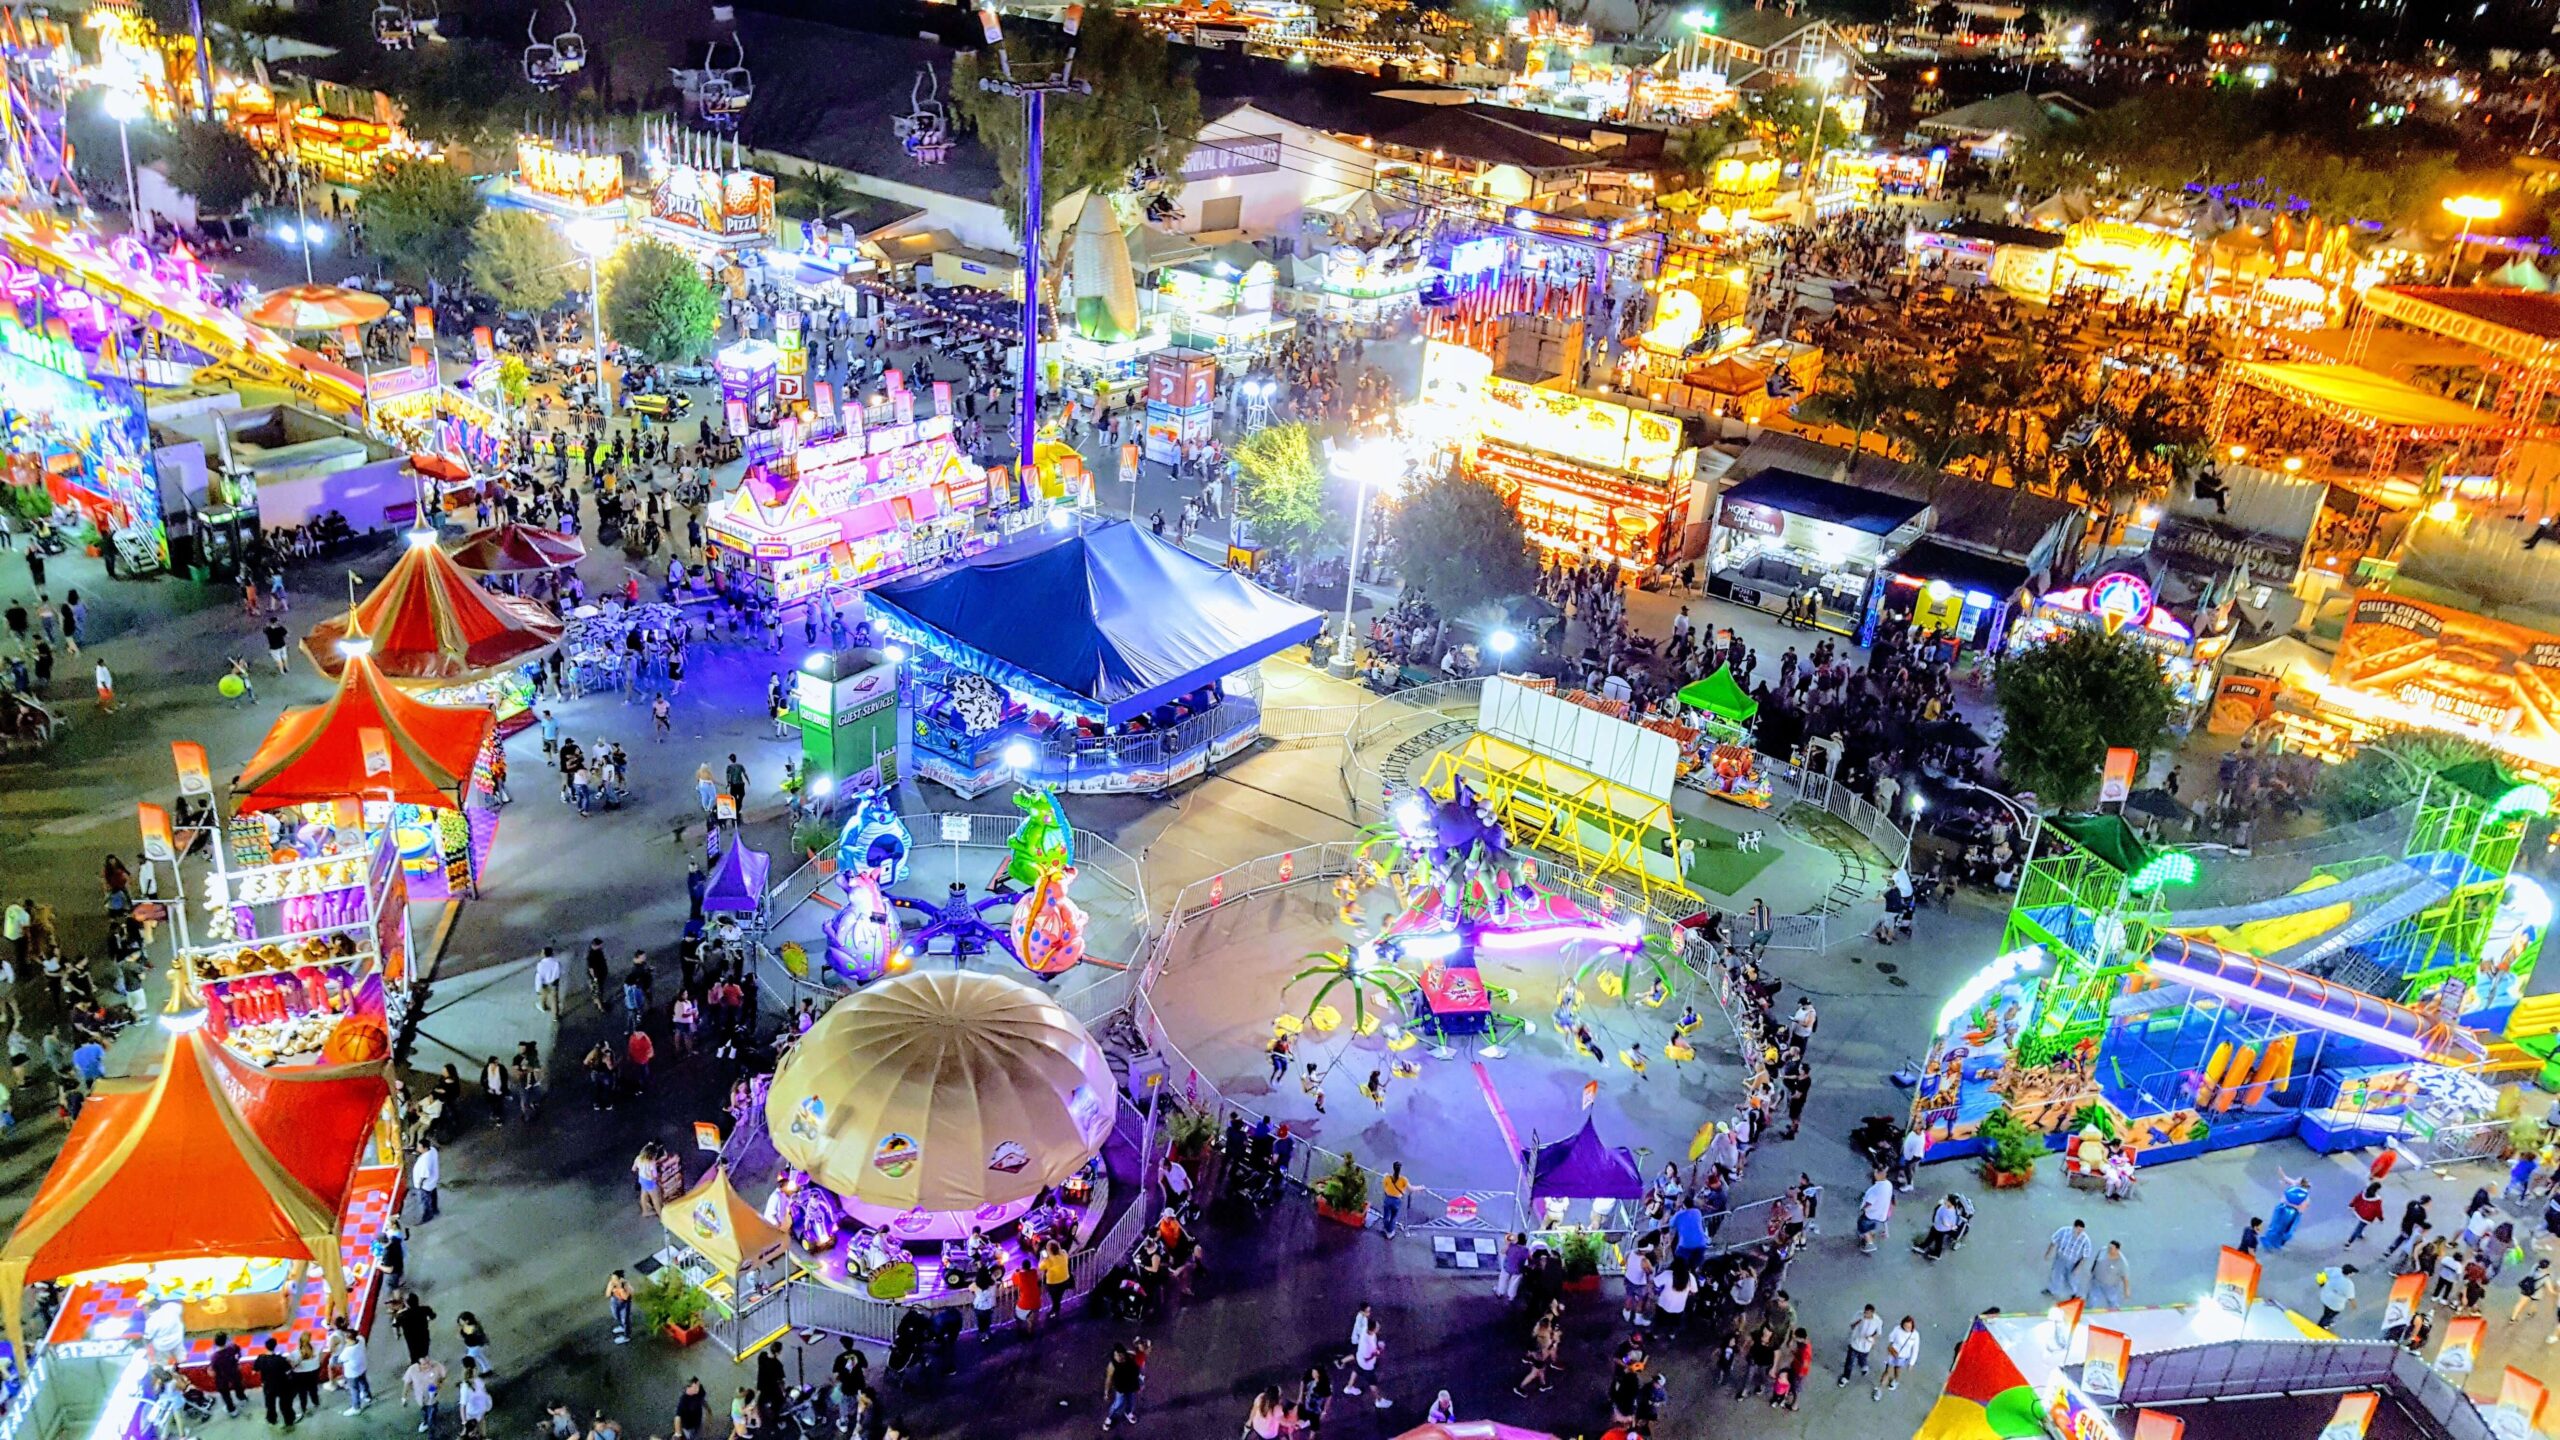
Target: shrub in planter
x=2014, y=1149
x=1187, y=1132
x=1344, y=1194
x=815, y=836
x=1580, y=1252
x=675, y=1305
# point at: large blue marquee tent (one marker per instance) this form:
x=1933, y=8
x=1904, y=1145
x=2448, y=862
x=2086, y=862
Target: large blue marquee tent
x=1107, y=622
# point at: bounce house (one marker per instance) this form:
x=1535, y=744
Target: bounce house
x=2178, y=1001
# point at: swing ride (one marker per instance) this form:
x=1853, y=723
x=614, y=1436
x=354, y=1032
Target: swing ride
x=548, y=62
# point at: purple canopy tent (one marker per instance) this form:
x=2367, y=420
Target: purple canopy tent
x=736, y=886
x=1583, y=1168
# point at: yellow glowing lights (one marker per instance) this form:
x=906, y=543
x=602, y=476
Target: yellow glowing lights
x=2474, y=208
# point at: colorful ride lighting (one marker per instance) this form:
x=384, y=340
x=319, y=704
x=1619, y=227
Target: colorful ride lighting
x=2213, y=983
x=1623, y=934
x=2176, y=867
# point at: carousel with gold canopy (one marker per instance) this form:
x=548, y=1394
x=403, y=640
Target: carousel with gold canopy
x=932, y=1126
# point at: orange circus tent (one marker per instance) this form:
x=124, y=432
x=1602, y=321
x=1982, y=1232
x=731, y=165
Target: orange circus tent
x=370, y=742
x=431, y=623
x=212, y=1158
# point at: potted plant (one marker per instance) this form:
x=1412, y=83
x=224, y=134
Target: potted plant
x=1187, y=1133
x=815, y=837
x=1580, y=1252
x=1343, y=1196
x=2014, y=1150
x=675, y=1305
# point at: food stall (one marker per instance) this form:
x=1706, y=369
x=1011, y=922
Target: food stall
x=2125, y=604
x=886, y=497
x=2409, y=664
x=1220, y=309
x=1725, y=711
x=1782, y=538
x=1587, y=476
x=566, y=176
x=1962, y=599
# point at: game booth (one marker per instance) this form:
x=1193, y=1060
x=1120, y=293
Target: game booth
x=721, y=1245
x=371, y=775
x=934, y=1123
x=2167, y=1004
x=2122, y=603
x=213, y=1195
x=892, y=494
x=86, y=441
x=1138, y=678
x=432, y=628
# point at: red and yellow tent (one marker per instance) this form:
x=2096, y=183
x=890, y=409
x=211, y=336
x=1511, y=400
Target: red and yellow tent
x=432, y=624
x=369, y=742
x=212, y=1158
x=1987, y=1398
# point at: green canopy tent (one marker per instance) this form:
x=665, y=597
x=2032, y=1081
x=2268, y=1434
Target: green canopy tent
x=1724, y=699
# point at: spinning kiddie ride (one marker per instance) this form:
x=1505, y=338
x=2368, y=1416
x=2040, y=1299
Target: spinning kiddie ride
x=1044, y=931
x=2320, y=1009
x=937, y=1123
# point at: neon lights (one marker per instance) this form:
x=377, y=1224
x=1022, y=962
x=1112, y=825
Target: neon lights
x=1987, y=979
x=2240, y=992
x=2177, y=867
x=2527, y=798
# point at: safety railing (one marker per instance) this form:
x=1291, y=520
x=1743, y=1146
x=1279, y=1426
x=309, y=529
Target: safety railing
x=1792, y=784
x=1061, y=758
x=804, y=1304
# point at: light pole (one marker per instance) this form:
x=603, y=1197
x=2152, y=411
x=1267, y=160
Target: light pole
x=124, y=107
x=594, y=237
x=1354, y=466
x=1034, y=95
x=1825, y=75
x=2470, y=209
x=302, y=219
x=1696, y=22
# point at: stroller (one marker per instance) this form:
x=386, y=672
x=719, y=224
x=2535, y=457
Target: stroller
x=1120, y=1295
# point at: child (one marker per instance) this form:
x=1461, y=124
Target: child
x=1312, y=1085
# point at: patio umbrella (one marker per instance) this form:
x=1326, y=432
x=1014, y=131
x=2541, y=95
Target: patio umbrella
x=1952, y=733
x=439, y=467
x=514, y=549
x=315, y=307
x=2157, y=803
x=1474, y=1430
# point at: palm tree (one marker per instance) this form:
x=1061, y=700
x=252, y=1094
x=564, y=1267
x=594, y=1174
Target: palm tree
x=820, y=190
x=1857, y=397
x=1362, y=969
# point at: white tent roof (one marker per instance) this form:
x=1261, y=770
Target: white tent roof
x=942, y=1091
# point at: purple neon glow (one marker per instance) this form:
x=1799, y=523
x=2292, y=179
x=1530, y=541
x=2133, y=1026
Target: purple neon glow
x=1558, y=934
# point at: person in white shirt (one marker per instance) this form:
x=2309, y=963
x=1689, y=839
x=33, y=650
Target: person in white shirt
x=352, y=1367
x=426, y=1173
x=1862, y=1342
x=546, y=982
x=1874, y=1208
x=1177, y=1185
x=1901, y=1352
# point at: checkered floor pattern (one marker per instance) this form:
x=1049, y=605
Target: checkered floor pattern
x=1466, y=1252
x=118, y=1307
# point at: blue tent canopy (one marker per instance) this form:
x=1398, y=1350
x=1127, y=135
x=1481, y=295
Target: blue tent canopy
x=1109, y=621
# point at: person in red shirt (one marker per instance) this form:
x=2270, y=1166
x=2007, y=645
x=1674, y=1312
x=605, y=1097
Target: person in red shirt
x=1026, y=1297
x=2367, y=1208
x=640, y=1052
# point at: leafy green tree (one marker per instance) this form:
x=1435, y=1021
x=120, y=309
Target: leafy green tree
x=514, y=379
x=2068, y=701
x=418, y=216
x=1143, y=107
x=520, y=260
x=215, y=166
x=1460, y=545
x=457, y=92
x=813, y=194
x=1280, y=489
x=1944, y=18
x=1858, y=396
x=2388, y=772
x=656, y=302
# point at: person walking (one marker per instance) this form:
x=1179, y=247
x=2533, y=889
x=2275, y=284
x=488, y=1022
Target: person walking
x=2337, y=1293
x=275, y=1381
x=426, y=1176
x=2367, y=1208
x=225, y=1364
x=1863, y=1334
x=1364, y=1360
x=2110, y=1279
x=1056, y=1268
x=1875, y=1210
x=1122, y=1378
x=354, y=1368
x=2069, y=1248
x=617, y=1298
x=546, y=982
x=2288, y=1211
x=106, y=681
x=475, y=1343
x=412, y=1316
x=423, y=1383
x=1901, y=1352
x=1394, y=1189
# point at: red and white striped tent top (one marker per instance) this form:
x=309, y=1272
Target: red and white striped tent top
x=513, y=549
x=431, y=623
x=368, y=741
